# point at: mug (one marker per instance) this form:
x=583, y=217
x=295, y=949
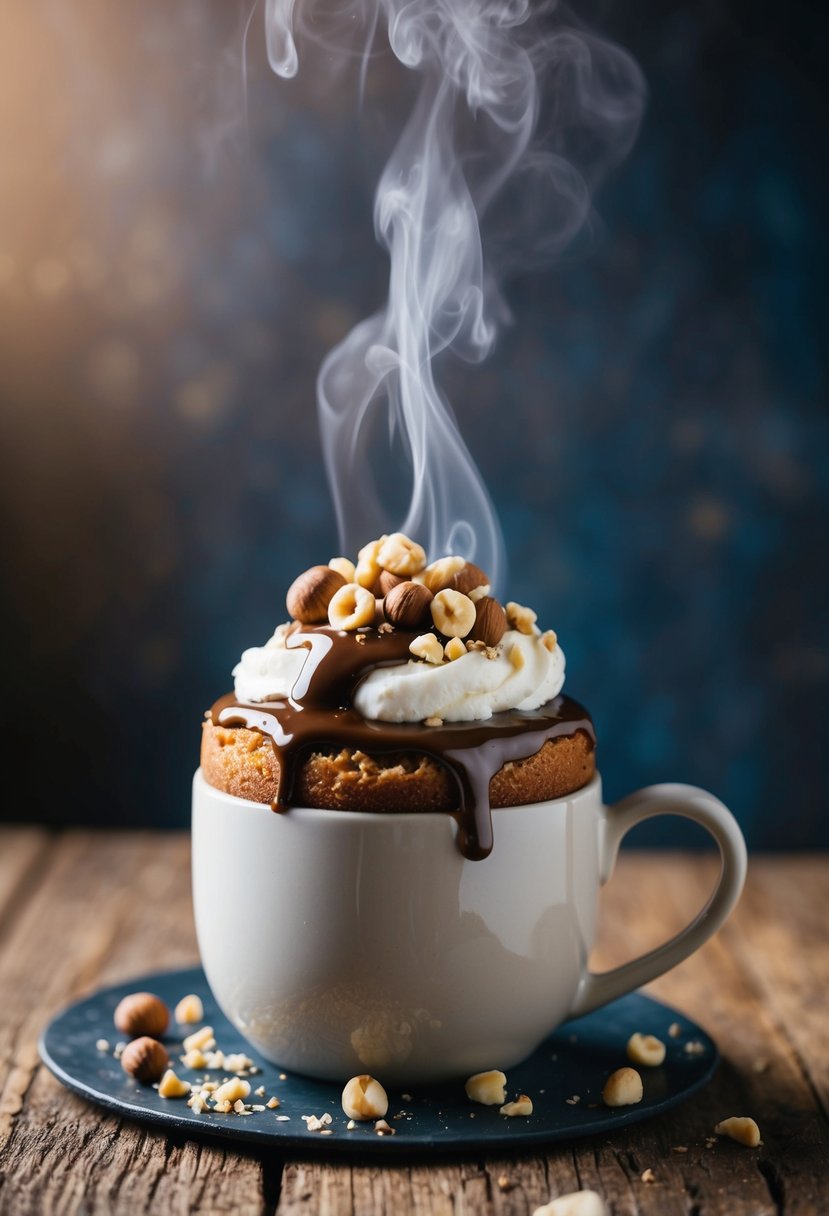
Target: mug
x=341, y=942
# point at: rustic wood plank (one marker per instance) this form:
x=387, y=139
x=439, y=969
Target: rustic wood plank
x=21, y=851
x=107, y=906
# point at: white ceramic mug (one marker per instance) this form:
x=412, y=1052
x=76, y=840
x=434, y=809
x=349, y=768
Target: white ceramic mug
x=342, y=942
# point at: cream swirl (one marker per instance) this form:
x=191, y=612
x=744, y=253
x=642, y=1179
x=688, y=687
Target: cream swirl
x=523, y=674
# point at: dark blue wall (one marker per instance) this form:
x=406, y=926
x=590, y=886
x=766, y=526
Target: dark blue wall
x=652, y=427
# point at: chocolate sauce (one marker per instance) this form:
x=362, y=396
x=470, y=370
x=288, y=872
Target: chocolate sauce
x=320, y=713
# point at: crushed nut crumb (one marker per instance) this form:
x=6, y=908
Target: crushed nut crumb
x=674, y=1030
x=102, y=1045
x=648, y=1175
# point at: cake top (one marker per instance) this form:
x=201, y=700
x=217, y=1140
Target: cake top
x=436, y=645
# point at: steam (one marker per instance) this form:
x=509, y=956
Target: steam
x=492, y=73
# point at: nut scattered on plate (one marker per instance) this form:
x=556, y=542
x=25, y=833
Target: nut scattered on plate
x=172, y=1086
x=521, y=1106
x=622, y=1088
x=364, y=1098
x=145, y=1059
x=488, y=1088
x=646, y=1049
x=141, y=1013
x=189, y=1010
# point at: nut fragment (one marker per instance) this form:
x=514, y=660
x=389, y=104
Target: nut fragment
x=400, y=555
x=141, y=1013
x=189, y=1010
x=488, y=1088
x=309, y=595
x=194, y=1059
x=516, y=657
x=648, y=1175
x=521, y=1106
x=442, y=574
x=549, y=640
x=470, y=578
x=382, y=1128
x=646, y=1049
x=352, y=607
x=520, y=618
x=739, y=1128
x=490, y=622
x=364, y=1098
x=145, y=1059
x=478, y=593
x=453, y=613
x=577, y=1203
x=201, y=1040
x=622, y=1088
x=454, y=649
x=427, y=647
x=232, y=1090
x=407, y=605
x=345, y=567
x=172, y=1086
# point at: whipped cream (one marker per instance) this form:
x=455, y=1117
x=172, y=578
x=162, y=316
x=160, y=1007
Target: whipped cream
x=469, y=689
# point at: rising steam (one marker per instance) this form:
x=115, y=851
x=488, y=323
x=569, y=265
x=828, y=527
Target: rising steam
x=491, y=72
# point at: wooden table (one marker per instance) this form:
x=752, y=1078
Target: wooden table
x=82, y=909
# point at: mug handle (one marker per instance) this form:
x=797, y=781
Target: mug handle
x=703, y=808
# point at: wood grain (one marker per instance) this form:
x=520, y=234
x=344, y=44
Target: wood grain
x=83, y=909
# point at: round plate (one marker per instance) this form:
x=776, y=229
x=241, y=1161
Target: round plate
x=564, y=1078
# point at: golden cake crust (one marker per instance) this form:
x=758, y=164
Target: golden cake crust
x=242, y=762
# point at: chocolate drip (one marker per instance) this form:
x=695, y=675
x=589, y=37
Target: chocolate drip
x=319, y=714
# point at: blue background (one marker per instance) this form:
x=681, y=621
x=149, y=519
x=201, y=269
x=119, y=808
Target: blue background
x=652, y=426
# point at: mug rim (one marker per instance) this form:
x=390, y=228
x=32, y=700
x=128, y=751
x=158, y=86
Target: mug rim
x=593, y=786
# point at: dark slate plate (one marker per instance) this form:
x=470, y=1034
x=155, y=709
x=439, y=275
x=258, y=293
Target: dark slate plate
x=576, y=1060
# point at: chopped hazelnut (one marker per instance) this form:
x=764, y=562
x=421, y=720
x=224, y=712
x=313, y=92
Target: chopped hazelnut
x=189, y=1010
x=646, y=1049
x=364, y=1098
x=172, y=1086
x=201, y=1040
x=622, y=1088
x=488, y=1088
x=743, y=1130
x=521, y=1106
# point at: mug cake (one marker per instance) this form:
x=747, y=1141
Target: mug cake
x=401, y=686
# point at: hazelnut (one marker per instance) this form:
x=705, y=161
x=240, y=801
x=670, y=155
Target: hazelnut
x=145, y=1059
x=646, y=1049
x=744, y=1131
x=309, y=595
x=549, y=640
x=387, y=581
x=232, y=1091
x=453, y=613
x=344, y=566
x=407, y=605
x=490, y=622
x=469, y=577
x=141, y=1013
x=521, y=1106
x=622, y=1088
x=442, y=574
x=189, y=1010
x=364, y=1098
x=520, y=618
x=427, y=647
x=488, y=1088
x=400, y=555
x=351, y=608
x=172, y=1086
x=200, y=1040
x=454, y=649
x=367, y=570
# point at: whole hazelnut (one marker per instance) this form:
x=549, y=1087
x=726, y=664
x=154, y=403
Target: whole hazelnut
x=141, y=1013
x=468, y=578
x=309, y=595
x=490, y=622
x=145, y=1059
x=407, y=605
x=387, y=581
